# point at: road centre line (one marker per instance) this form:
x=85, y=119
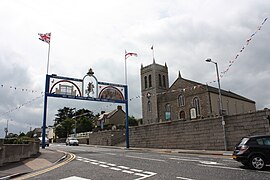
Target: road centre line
x=129, y=172
x=200, y=161
x=184, y=178
x=109, y=164
x=116, y=169
x=95, y=163
x=136, y=170
x=224, y=167
x=123, y=167
x=102, y=165
x=146, y=158
x=181, y=157
x=221, y=167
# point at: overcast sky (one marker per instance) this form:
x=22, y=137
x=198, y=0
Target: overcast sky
x=96, y=34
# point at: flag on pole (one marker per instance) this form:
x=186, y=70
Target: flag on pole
x=127, y=55
x=45, y=37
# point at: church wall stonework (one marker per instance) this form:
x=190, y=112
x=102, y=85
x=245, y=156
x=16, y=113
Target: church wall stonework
x=201, y=134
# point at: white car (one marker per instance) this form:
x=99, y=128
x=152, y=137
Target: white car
x=46, y=141
x=72, y=141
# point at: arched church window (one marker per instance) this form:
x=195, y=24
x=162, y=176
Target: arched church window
x=159, y=80
x=145, y=82
x=149, y=108
x=196, y=104
x=168, y=111
x=182, y=115
x=150, y=80
x=164, y=81
x=181, y=100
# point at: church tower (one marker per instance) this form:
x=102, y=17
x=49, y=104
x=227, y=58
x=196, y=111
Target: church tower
x=154, y=82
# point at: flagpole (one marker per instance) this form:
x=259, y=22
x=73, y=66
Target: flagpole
x=125, y=67
x=48, y=58
x=152, y=48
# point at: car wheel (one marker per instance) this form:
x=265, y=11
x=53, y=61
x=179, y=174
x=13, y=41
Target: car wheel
x=257, y=162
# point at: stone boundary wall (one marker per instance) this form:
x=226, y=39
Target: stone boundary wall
x=203, y=134
x=107, y=138
x=16, y=152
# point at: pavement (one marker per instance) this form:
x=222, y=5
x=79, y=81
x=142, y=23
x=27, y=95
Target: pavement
x=48, y=157
x=45, y=158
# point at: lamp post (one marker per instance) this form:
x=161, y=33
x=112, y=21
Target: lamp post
x=74, y=117
x=6, y=129
x=220, y=103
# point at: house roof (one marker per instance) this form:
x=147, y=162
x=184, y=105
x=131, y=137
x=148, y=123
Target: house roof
x=108, y=115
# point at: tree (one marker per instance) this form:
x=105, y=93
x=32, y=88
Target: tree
x=132, y=121
x=66, y=118
x=65, y=128
x=63, y=114
x=84, y=124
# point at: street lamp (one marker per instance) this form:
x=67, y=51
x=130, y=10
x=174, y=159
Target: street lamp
x=6, y=129
x=220, y=103
x=74, y=117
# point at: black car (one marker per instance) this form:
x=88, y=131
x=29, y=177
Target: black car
x=253, y=151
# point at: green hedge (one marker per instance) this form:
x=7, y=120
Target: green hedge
x=19, y=140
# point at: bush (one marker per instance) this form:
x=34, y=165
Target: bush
x=19, y=140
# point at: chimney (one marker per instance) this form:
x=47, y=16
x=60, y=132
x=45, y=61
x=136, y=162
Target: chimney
x=119, y=107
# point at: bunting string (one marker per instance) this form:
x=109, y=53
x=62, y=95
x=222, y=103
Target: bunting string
x=11, y=87
x=20, y=106
x=231, y=62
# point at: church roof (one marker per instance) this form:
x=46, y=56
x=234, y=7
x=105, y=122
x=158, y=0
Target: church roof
x=212, y=89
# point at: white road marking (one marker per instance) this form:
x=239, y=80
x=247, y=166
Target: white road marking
x=101, y=162
x=94, y=163
x=221, y=167
x=116, y=169
x=231, y=168
x=210, y=163
x=151, y=173
x=129, y=172
x=181, y=159
x=136, y=170
x=146, y=158
x=184, y=178
x=109, y=164
x=113, y=154
x=200, y=161
x=102, y=165
x=74, y=178
x=144, y=176
x=123, y=167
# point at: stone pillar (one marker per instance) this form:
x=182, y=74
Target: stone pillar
x=2, y=152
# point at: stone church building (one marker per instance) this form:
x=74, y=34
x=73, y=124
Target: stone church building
x=184, y=99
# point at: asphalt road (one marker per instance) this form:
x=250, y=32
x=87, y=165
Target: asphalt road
x=107, y=163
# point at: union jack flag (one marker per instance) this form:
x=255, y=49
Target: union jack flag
x=45, y=37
